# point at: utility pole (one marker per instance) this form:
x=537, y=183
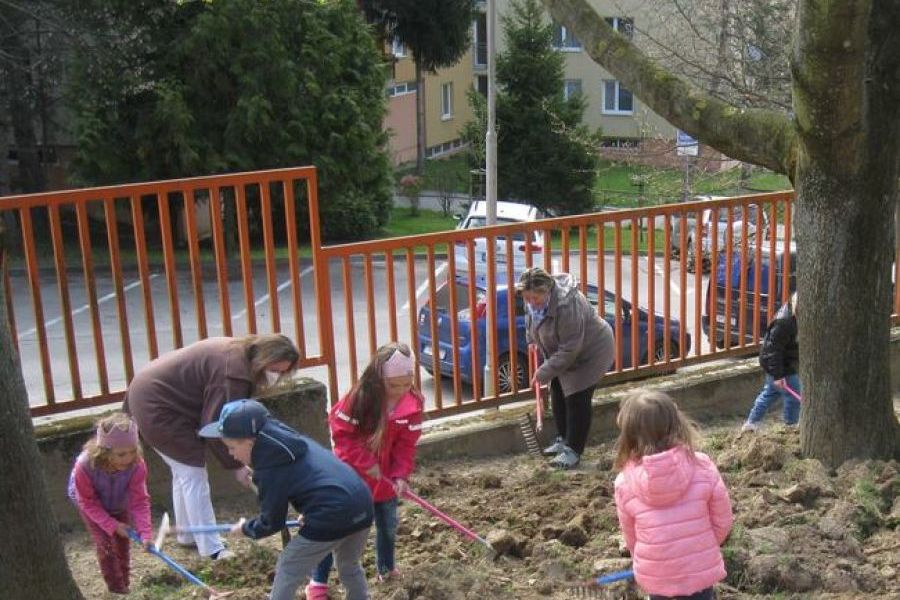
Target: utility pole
x=490, y=142
x=491, y=134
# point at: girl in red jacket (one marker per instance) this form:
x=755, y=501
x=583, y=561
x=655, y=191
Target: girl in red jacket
x=672, y=503
x=375, y=429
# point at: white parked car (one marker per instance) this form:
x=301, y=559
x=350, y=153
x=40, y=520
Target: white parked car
x=715, y=222
x=507, y=212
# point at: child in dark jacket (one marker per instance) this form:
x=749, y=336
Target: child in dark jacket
x=375, y=429
x=780, y=359
x=291, y=469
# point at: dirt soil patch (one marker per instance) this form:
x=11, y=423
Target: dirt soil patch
x=801, y=530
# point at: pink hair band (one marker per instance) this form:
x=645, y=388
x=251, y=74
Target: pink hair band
x=118, y=438
x=398, y=365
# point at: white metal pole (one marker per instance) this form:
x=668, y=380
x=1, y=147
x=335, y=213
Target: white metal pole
x=491, y=134
x=490, y=197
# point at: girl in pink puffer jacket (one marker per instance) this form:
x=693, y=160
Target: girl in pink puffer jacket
x=673, y=507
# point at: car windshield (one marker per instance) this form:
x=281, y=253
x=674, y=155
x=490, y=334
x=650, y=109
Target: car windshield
x=738, y=212
x=473, y=222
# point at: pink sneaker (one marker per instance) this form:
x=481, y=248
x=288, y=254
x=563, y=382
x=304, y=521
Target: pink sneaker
x=382, y=577
x=317, y=591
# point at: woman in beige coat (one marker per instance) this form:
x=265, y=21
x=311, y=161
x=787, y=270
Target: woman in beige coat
x=578, y=348
x=180, y=392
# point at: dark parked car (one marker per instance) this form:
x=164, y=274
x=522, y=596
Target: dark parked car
x=733, y=272
x=504, y=351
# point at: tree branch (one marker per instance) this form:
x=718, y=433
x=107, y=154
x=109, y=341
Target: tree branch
x=762, y=137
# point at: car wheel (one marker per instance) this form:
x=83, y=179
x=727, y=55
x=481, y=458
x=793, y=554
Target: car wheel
x=659, y=354
x=505, y=374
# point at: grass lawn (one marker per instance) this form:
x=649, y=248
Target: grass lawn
x=451, y=173
x=615, y=185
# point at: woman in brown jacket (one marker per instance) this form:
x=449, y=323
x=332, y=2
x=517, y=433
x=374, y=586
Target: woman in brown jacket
x=578, y=348
x=180, y=392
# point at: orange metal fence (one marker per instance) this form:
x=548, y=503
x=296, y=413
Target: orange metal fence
x=608, y=254
x=114, y=253
x=680, y=284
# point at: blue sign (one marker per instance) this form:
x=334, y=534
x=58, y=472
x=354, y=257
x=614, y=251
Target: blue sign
x=685, y=145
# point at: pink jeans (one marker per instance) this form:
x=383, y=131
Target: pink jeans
x=113, y=555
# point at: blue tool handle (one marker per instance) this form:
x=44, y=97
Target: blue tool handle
x=222, y=528
x=613, y=577
x=166, y=559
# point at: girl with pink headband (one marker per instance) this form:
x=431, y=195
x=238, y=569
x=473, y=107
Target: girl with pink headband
x=108, y=484
x=375, y=428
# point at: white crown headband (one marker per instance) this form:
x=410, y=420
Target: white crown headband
x=397, y=365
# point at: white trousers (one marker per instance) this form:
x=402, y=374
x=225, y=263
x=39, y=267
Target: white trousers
x=193, y=505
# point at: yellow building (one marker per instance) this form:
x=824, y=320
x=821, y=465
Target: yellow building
x=624, y=121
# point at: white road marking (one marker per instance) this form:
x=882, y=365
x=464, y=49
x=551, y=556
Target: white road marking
x=421, y=289
x=85, y=307
x=265, y=297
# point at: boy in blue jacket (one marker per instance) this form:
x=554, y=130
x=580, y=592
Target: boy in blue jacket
x=289, y=468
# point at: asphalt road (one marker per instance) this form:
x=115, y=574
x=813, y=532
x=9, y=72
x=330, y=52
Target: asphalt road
x=87, y=367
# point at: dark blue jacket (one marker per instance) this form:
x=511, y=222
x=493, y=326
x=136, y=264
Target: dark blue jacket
x=289, y=468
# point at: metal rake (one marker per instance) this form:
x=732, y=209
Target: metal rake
x=526, y=425
x=596, y=588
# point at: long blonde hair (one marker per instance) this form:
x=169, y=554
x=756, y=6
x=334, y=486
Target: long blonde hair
x=98, y=457
x=649, y=423
x=367, y=399
x=264, y=350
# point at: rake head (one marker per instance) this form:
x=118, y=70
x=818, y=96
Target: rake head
x=526, y=425
x=597, y=588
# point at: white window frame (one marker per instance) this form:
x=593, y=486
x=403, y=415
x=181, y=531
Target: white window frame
x=567, y=41
x=475, y=31
x=398, y=49
x=401, y=89
x=447, y=101
x=566, y=84
x=619, y=24
x=616, y=110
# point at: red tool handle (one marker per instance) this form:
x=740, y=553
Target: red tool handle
x=791, y=391
x=446, y=518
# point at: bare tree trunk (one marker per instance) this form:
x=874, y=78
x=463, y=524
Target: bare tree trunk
x=32, y=562
x=847, y=185
x=420, y=121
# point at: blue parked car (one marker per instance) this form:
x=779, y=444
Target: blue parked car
x=504, y=368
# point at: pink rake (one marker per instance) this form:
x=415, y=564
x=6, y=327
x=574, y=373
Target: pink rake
x=791, y=391
x=448, y=520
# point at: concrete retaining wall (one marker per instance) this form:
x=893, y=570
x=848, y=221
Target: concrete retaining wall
x=303, y=407
x=706, y=394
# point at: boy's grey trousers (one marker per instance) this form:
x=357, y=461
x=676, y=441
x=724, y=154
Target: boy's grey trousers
x=301, y=556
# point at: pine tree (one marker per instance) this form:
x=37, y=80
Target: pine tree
x=546, y=157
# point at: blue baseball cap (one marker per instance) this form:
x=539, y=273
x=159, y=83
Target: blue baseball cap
x=238, y=419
